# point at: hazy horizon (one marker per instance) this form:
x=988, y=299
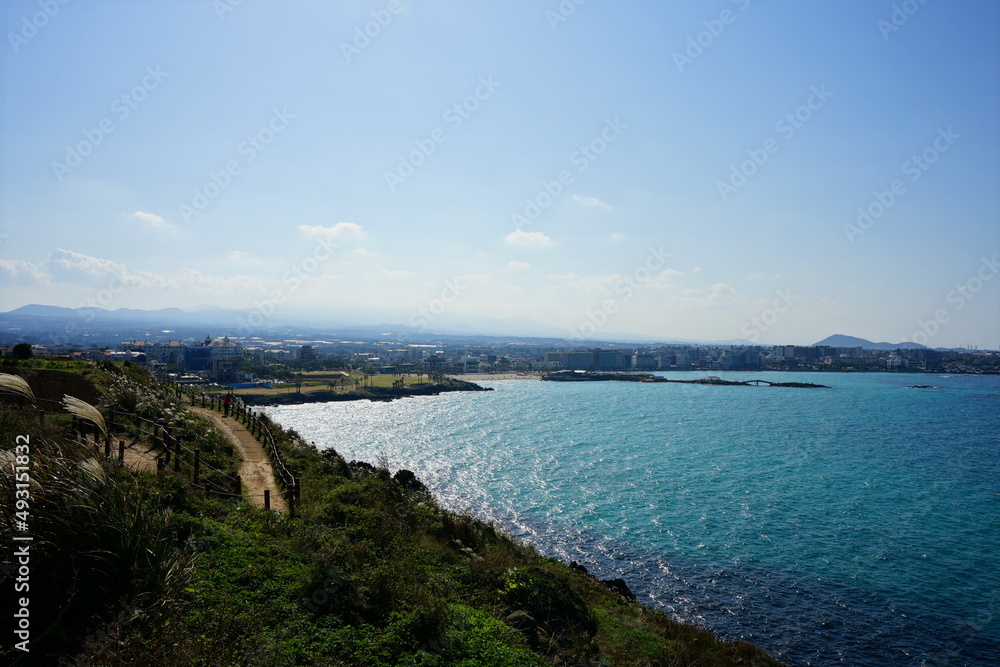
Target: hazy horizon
x=735, y=170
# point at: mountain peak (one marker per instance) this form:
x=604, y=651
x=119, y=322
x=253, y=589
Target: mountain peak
x=841, y=340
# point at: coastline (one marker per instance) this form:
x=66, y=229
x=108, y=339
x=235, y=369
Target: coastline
x=364, y=394
x=491, y=377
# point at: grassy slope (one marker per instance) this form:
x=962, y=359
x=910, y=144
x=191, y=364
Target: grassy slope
x=370, y=572
x=380, y=388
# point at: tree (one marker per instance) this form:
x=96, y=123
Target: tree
x=22, y=351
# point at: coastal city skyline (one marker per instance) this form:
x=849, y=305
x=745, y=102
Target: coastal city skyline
x=774, y=174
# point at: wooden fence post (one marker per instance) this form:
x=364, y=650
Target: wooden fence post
x=238, y=486
x=121, y=451
x=177, y=457
x=159, y=465
x=197, y=465
x=166, y=449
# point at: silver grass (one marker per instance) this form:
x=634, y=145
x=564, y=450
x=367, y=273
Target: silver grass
x=17, y=385
x=84, y=410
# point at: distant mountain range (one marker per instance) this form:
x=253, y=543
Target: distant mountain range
x=211, y=320
x=130, y=315
x=840, y=340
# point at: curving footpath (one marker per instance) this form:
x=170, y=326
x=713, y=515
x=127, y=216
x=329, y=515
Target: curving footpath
x=256, y=472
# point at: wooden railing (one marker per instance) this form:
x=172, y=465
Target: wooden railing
x=260, y=428
x=172, y=455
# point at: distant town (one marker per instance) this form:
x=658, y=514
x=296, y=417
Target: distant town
x=233, y=360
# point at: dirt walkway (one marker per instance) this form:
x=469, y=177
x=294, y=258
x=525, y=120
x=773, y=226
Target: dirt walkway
x=256, y=472
x=138, y=458
x=141, y=456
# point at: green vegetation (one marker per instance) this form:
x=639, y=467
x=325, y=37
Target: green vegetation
x=139, y=569
x=22, y=351
x=318, y=387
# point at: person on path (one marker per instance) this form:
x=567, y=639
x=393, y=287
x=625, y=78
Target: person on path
x=226, y=402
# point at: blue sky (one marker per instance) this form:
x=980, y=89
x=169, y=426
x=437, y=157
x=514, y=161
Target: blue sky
x=682, y=170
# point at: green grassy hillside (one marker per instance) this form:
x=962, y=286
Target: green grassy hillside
x=142, y=569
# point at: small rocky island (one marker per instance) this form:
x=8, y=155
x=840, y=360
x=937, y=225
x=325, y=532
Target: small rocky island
x=591, y=376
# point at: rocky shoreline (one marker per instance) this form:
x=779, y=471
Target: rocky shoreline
x=589, y=376
x=363, y=394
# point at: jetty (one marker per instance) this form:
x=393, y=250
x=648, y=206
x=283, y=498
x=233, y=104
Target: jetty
x=591, y=376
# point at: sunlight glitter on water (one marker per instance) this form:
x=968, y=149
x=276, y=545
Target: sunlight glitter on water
x=826, y=525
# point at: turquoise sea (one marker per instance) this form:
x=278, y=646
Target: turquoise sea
x=857, y=525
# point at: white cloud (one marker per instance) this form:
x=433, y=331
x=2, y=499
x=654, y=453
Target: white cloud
x=528, y=239
x=591, y=202
x=201, y=283
x=152, y=220
x=237, y=256
x=71, y=262
x=338, y=233
x=475, y=278
x=617, y=236
x=361, y=253
x=400, y=274
x=20, y=272
x=518, y=266
x=80, y=270
x=663, y=279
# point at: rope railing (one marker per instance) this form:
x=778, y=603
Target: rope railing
x=161, y=436
x=258, y=428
